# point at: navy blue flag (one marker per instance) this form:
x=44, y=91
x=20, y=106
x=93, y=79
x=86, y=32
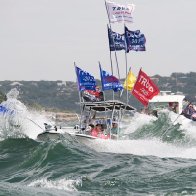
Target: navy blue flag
x=135, y=40
x=116, y=41
x=85, y=80
x=109, y=82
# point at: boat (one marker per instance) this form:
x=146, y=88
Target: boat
x=101, y=118
x=166, y=100
x=54, y=132
x=106, y=114
x=174, y=102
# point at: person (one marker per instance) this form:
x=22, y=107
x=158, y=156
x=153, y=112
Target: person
x=90, y=128
x=92, y=120
x=175, y=109
x=173, y=106
x=103, y=136
x=96, y=130
x=114, y=128
x=189, y=111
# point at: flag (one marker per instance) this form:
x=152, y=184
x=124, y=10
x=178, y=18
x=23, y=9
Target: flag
x=3, y=109
x=85, y=80
x=116, y=40
x=135, y=40
x=144, y=88
x=130, y=81
x=119, y=13
x=92, y=95
x=109, y=82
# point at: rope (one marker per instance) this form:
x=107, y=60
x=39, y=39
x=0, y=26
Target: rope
x=35, y=124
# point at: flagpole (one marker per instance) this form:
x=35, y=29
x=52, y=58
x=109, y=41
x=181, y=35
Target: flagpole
x=79, y=94
x=101, y=81
x=111, y=68
x=109, y=45
x=126, y=68
x=113, y=42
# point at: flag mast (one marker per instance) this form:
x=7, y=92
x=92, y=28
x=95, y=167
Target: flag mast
x=127, y=95
x=79, y=94
x=114, y=45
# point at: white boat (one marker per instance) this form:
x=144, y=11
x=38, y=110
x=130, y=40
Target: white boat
x=55, y=133
x=167, y=100
x=106, y=114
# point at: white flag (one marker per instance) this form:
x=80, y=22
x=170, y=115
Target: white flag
x=119, y=13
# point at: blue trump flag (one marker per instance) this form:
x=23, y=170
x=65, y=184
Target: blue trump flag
x=109, y=82
x=116, y=41
x=135, y=40
x=85, y=80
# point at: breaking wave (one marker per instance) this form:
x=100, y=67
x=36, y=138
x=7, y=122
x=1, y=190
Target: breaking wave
x=153, y=155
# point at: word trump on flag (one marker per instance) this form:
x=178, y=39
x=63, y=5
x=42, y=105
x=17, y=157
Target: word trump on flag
x=119, y=13
x=144, y=88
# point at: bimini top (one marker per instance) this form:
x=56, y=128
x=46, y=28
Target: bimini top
x=107, y=105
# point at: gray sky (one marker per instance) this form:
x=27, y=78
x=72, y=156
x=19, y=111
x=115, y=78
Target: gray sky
x=41, y=39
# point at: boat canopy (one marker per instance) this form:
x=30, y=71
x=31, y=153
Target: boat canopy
x=107, y=106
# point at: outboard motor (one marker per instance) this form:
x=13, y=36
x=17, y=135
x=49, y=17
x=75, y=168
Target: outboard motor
x=47, y=127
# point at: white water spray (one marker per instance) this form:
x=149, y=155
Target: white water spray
x=16, y=121
x=150, y=146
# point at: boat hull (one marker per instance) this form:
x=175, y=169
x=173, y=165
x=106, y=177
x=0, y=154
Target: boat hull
x=47, y=136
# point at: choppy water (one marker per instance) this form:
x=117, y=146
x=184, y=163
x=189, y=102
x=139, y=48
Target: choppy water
x=146, y=161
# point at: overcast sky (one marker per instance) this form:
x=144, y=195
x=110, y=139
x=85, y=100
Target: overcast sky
x=41, y=39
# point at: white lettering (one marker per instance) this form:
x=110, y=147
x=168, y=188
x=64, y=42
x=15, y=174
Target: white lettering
x=145, y=83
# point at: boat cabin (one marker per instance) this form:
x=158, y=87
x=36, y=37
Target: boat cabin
x=168, y=100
